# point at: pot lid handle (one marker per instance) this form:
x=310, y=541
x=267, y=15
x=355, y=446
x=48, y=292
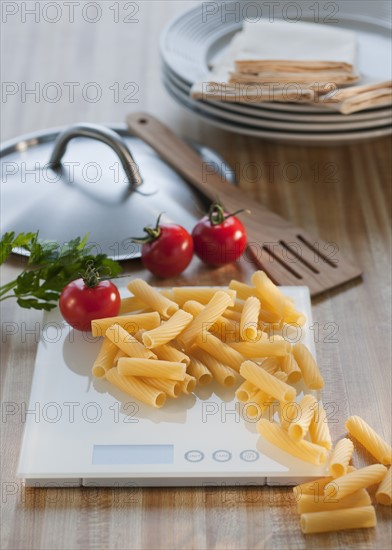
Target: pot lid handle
x=100, y=133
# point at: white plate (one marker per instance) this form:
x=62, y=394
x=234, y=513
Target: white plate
x=82, y=431
x=304, y=138
x=219, y=110
x=193, y=40
x=262, y=110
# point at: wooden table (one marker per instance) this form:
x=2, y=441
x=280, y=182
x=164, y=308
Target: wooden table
x=342, y=194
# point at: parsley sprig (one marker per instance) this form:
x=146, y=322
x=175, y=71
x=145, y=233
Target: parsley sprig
x=50, y=267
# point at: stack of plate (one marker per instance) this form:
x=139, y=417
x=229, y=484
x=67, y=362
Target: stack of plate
x=192, y=42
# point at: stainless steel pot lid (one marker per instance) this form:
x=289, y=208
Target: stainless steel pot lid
x=97, y=180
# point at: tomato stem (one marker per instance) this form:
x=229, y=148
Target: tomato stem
x=91, y=276
x=152, y=233
x=216, y=213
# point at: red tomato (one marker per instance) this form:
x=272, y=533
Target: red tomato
x=167, y=250
x=219, y=238
x=80, y=304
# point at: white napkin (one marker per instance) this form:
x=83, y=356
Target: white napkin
x=357, y=98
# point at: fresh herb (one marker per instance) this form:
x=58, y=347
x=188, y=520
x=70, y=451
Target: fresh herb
x=49, y=268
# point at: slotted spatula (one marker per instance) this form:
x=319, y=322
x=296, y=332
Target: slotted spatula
x=289, y=255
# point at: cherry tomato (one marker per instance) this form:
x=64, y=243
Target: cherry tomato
x=166, y=250
x=80, y=303
x=219, y=238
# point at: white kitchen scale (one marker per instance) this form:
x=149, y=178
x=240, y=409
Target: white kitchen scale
x=82, y=431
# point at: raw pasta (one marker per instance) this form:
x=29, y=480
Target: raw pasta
x=105, y=358
x=167, y=331
x=341, y=457
x=138, y=389
x=336, y=520
x=308, y=503
x=223, y=375
x=207, y=317
x=359, y=479
x=151, y=368
x=131, y=323
x=127, y=343
x=267, y=382
x=170, y=387
x=370, y=439
x=249, y=319
x=384, y=491
x=199, y=371
x=308, y=366
x=290, y=367
x=319, y=429
x=152, y=298
x=262, y=348
x=221, y=351
x=304, y=450
x=299, y=427
x=203, y=295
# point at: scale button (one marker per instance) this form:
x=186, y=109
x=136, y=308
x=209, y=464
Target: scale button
x=221, y=456
x=194, y=456
x=249, y=455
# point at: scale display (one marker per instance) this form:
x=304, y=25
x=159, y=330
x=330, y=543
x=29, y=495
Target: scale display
x=87, y=432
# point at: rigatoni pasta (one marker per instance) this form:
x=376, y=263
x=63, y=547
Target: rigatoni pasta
x=262, y=348
x=131, y=323
x=167, y=331
x=319, y=429
x=221, y=351
x=308, y=503
x=299, y=427
x=127, y=343
x=337, y=520
x=370, y=439
x=223, y=374
x=359, y=479
x=198, y=370
x=151, y=368
x=152, y=298
x=136, y=388
x=304, y=450
x=105, y=358
x=341, y=457
x=250, y=318
x=267, y=382
x=384, y=490
x=308, y=366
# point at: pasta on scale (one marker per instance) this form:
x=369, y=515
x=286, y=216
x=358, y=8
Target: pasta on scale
x=167, y=343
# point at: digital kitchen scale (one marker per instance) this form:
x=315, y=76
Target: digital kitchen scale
x=85, y=432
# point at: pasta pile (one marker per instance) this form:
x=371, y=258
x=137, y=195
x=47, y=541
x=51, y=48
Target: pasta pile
x=341, y=500
x=167, y=342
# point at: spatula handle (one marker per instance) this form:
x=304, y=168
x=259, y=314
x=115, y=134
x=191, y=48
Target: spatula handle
x=185, y=161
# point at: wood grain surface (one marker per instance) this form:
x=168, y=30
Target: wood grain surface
x=340, y=193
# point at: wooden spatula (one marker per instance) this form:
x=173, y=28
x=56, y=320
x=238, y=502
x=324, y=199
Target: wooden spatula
x=290, y=255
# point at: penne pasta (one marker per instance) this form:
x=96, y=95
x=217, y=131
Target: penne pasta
x=168, y=352
x=319, y=429
x=167, y=331
x=308, y=366
x=136, y=388
x=359, y=479
x=105, y=358
x=337, y=520
x=370, y=439
x=127, y=343
x=384, y=490
x=151, y=368
x=198, y=370
x=224, y=375
x=340, y=458
x=303, y=450
x=205, y=319
x=154, y=299
x=131, y=323
x=201, y=294
x=308, y=503
x=221, y=351
x=249, y=319
x=267, y=382
x=262, y=348
x=299, y=427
